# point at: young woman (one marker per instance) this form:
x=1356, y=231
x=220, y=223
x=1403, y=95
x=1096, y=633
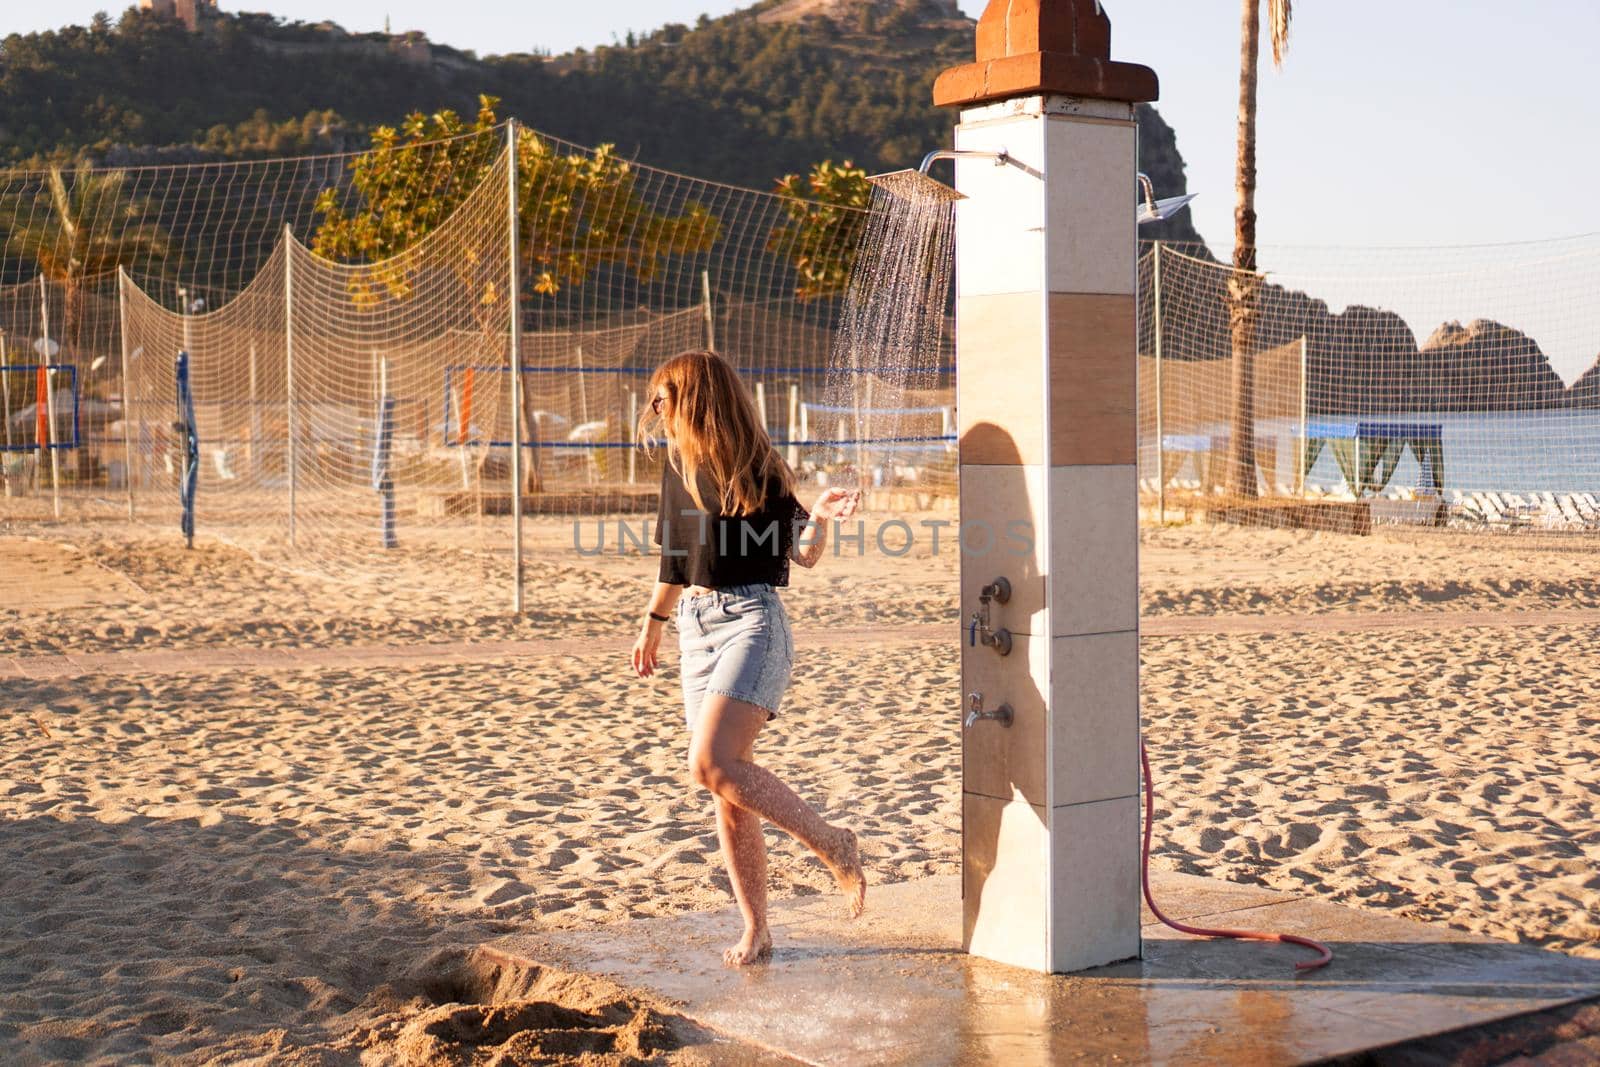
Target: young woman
x=728, y=526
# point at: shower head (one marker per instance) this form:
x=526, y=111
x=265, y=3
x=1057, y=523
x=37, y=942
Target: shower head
x=1163, y=209
x=915, y=185
x=1153, y=210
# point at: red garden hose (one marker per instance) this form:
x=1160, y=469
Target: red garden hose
x=1325, y=953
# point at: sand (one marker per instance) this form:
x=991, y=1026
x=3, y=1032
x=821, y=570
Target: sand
x=290, y=865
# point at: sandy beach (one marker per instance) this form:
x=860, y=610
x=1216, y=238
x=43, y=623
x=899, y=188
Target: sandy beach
x=286, y=864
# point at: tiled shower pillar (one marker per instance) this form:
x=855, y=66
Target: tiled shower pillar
x=1046, y=398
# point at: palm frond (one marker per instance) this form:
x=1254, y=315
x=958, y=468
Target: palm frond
x=1279, y=14
x=61, y=199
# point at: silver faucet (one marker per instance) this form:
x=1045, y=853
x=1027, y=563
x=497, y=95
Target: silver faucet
x=976, y=714
x=980, y=629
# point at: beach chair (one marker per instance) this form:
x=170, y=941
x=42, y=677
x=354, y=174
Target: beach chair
x=1492, y=508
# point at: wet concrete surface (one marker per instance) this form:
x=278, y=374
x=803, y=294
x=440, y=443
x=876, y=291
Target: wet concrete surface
x=894, y=988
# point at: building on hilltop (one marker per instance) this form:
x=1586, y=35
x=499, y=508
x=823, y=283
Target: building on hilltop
x=188, y=12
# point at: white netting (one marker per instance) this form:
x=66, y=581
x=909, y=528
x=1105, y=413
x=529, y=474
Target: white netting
x=349, y=327
x=1386, y=386
x=1354, y=361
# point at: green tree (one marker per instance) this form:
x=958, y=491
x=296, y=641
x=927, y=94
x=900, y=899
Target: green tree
x=825, y=213
x=1244, y=283
x=576, y=211
x=77, y=228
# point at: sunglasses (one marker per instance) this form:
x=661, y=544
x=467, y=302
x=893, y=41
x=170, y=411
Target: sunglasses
x=655, y=405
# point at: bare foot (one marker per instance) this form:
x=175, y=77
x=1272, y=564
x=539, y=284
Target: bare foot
x=754, y=947
x=844, y=860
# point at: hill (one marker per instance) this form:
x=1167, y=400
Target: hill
x=743, y=99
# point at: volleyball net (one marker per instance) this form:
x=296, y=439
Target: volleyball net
x=400, y=350
x=406, y=348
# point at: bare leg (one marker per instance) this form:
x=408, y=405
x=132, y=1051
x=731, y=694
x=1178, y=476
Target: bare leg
x=744, y=851
x=719, y=758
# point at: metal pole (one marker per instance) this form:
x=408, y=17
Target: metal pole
x=711, y=322
x=127, y=386
x=583, y=389
x=255, y=416
x=591, y=468
x=461, y=439
x=795, y=430
x=50, y=401
x=516, y=373
x=1161, y=445
x=761, y=403
x=1299, y=459
x=633, y=421
x=183, y=310
x=5, y=412
x=288, y=367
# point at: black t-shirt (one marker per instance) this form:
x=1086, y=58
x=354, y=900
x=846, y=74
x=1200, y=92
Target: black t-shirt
x=716, y=551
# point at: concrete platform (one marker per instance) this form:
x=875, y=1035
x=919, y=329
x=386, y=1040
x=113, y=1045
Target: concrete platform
x=894, y=988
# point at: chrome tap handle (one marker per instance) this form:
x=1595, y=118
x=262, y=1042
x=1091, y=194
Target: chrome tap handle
x=976, y=714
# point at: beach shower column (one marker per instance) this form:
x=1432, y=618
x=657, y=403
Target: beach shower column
x=1046, y=404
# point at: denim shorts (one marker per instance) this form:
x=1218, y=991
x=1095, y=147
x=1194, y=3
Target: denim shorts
x=734, y=641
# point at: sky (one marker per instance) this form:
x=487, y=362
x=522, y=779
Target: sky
x=1418, y=123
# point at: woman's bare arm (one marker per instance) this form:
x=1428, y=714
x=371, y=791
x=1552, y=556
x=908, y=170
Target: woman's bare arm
x=646, y=646
x=833, y=504
x=664, y=598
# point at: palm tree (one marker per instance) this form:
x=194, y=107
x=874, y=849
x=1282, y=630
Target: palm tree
x=78, y=229
x=1244, y=283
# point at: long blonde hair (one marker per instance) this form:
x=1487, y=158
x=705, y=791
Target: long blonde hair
x=714, y=424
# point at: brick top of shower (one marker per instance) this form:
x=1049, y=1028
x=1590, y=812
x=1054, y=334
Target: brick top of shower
x=1027, y=47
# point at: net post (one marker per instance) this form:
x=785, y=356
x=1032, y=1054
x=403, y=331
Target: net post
x=516, y=372
x=5, y=406
x=795, y=431
x=1299, y=459
x=49, y=403
x=863, y=413
x=288, y=367
x=127, y=385
x=761, y=403
x=711, y=322
x=255, y=418
x=633, y=421
x=1161, y=448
